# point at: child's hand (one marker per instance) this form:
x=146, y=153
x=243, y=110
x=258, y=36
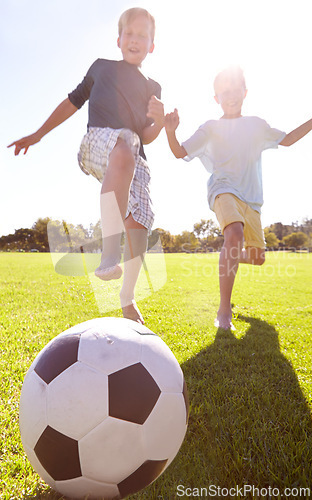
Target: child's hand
x=172, y=121
x=171, y=124
x=24, y=143
x=156, y=111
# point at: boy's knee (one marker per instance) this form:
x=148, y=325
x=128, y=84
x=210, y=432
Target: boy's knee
x=123, y=156
x=256, y=256
x=260, y=259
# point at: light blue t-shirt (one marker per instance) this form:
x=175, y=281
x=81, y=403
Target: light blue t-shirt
x=230, y=149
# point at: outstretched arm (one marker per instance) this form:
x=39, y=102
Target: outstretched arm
x=297, y=134
x=59, y=115
x=171, y=123
x=156, y=112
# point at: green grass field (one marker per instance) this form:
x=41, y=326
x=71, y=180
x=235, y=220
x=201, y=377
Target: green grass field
x=250, y=391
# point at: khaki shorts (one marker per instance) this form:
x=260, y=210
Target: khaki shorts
x=228, y=209
x=93, y=158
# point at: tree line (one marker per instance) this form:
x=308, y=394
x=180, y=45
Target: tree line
x=205, y=237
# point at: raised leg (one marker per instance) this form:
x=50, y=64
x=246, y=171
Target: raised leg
x=114, y=202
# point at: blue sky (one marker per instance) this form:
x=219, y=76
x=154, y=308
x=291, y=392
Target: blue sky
x=47, y=47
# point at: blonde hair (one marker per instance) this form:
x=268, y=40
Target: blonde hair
x=130, y=14
x=232, y=74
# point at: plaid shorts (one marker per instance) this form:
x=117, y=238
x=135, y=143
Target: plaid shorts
x=93, y=157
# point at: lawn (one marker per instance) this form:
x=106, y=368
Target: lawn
x=250, y=390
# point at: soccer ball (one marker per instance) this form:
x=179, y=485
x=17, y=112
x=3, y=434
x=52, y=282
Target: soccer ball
x=103, y=409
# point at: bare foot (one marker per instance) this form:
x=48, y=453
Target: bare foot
x=131, y=311
x=109, y=273
x=224, y=320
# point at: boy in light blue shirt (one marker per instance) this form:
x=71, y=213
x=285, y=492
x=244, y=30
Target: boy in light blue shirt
x=230, y=149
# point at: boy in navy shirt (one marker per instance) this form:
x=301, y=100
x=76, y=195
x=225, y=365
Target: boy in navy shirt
x=125, y=112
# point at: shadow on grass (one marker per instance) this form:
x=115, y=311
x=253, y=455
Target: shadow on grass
x=249, y=424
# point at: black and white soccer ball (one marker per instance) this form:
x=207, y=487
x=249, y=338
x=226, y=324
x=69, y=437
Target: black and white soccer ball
x=103, y=409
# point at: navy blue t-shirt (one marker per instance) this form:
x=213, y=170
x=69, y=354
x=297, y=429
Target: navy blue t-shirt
x=118, y=95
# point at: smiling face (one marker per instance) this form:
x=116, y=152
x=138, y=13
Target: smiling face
x=231, y=97
x=135, y=40
x=230, y=90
